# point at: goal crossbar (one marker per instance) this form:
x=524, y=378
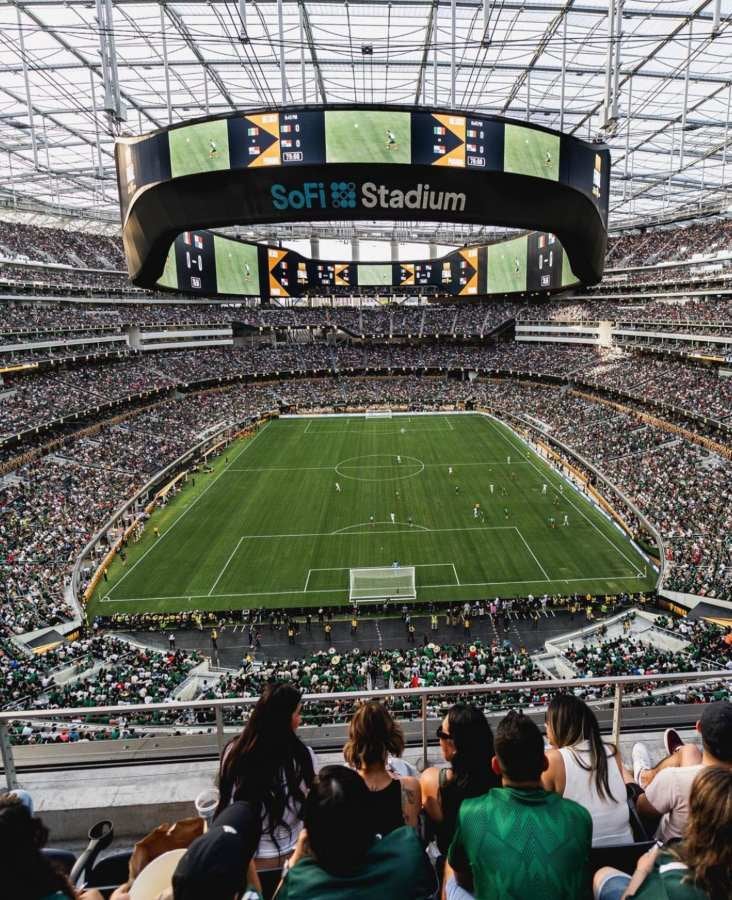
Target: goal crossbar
x=382, y=583
x=378, y=414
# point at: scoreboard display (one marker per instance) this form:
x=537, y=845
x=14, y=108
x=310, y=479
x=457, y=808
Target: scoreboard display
x=203, y=262
x=370, y=163
x=314, y=137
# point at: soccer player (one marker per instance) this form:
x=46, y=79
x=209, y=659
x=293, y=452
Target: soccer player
x=552, y=522
x=393, y=518
x=565, y=521
x=338, y=488
x=399, y=460
x=547, y=159
x=491, y=486
x=543, y=489
x=476, y=510
x=371, y=521
x=508, y=460
x=247, y=271
x=391, y=140
x=213, y=150
x=396, y=494
x=457, y=488
x=505, y=512
x=516, y=264
x=449, y=470
x=156, y=531
x=409, y=520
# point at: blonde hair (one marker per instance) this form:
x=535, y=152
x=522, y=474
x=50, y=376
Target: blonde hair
x=372, y=736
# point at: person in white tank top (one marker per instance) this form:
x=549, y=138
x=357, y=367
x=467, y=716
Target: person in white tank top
x=585, y=769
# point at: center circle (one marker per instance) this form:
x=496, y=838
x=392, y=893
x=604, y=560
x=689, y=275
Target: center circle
x=380, y=467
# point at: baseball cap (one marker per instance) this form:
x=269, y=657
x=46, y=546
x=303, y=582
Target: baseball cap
x=215, y=865
x=716, y=730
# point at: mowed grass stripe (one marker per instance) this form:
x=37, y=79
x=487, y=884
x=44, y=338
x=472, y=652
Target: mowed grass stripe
x=251, y=537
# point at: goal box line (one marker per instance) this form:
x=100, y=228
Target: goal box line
x=382, y=583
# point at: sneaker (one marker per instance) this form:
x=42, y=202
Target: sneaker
x=641, y=761
x=671, y=741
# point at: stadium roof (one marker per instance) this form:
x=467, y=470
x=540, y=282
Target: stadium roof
x=665, y=68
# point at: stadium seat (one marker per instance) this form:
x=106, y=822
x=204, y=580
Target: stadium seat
x=621, y=856
x=110, y=872
x=63, y=859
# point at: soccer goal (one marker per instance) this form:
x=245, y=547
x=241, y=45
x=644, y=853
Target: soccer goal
x=378, y=414
x=392, y=583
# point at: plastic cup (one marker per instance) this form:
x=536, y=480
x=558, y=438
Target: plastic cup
x=206, y=803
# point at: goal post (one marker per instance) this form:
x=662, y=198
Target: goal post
x=387, y=583
x=378, y=414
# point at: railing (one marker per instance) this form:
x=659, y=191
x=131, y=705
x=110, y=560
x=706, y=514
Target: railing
x=619, y=683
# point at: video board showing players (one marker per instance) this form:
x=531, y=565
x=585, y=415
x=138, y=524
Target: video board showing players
x=438, y=139
x=237, y=267
x=203, y=147
x=506, y=266
x=530, y=151
x=277, y=139
x=368, y=136
x=374, y=275
x=287, y=272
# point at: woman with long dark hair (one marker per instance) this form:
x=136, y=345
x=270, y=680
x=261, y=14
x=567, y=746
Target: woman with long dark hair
x=269, y=766
x=394, y=800
x=583, y=768
x=699, y=867
x=466, y=742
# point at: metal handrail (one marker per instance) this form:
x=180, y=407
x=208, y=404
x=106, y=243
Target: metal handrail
x=619, y=682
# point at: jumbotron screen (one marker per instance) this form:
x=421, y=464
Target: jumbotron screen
x=208, y=263
x=315, y=137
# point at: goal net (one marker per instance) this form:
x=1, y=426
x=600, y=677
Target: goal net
x=378, y=413
x=392, y=583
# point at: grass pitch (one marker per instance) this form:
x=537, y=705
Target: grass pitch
x=268, y=527
x=364, y=136
x=237, y=267
x=203, y=147
x=507, y=264
x=527, y=151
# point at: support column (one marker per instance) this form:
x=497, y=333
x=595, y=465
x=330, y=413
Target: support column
x=355, y=248
x=28, y=100
x=453, y=42
x=394, y=245
x=283, y=68
x=314, y=247
x=433, y=250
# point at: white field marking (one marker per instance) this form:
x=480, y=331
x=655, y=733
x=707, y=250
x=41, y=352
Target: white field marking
x=457, y=580
x=297, y=591
x=323, y=431
x=561, y=481
x=332, y=468
x=348, y=569
x=449, y=423
x=185, y=512
x=342, y=532
x=226, y=566
x=526, y=544
x=307, y=427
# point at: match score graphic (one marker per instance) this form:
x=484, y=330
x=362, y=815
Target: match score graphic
x=438, y=140
x=287, y=272
x=277, y=139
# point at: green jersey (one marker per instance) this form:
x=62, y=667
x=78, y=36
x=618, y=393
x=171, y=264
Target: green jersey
x=396, y=867
x=524, y=843
x=669, y=880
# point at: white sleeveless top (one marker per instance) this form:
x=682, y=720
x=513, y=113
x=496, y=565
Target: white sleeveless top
x=610, y=817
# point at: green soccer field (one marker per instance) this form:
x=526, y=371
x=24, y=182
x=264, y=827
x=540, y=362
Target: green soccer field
x=527, y=151
x=268, y=527
x=203, y=147
x=360, y=136
x=502, y=258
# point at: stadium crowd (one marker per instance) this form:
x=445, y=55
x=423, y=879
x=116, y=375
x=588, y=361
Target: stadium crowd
x=675, y=243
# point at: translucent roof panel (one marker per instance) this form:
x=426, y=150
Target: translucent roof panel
x=666, y=69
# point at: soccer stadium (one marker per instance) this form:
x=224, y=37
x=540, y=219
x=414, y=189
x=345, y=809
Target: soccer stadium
x=365, y=450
